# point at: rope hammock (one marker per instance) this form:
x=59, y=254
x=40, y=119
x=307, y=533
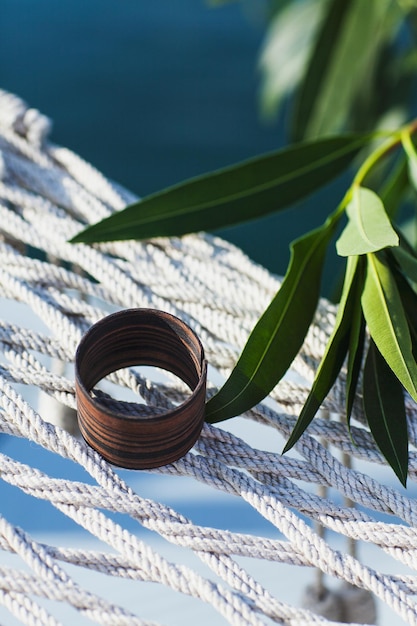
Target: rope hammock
x=317, y=500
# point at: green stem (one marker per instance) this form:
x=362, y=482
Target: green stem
x=397, y=138
x=408, y=145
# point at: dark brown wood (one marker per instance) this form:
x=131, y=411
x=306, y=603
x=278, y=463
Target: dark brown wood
x=140, y=337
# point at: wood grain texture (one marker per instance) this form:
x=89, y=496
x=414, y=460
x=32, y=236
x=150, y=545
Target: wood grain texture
x=140, y=337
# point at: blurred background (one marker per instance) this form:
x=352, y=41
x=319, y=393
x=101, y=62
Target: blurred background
x=152, y=93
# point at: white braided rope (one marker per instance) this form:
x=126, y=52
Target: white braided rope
x=46, y=193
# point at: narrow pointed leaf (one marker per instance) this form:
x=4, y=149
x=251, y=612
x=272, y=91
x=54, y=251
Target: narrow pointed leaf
x=343, y=59
x=407, y=261
x=395, y=187
x=404, y=243
x=387, y=322
x=235, y=194
x=409, y=301
x=319, y=64
x=383, y=398
x=333, y=357
x=369, y=228
x=279, y=333
x=410, y=151
x=356, y=348
x=289, y=36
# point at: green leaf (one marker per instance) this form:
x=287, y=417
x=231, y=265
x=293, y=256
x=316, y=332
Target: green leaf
x=395, y=187
x=235, y=194
x=409, y=301
x=356, y=348
x=342, y=65
x=333, y=357
x=279, y=333
x=407, y=261
x=318, y=66
x=405, y=243
x=383, y=398
x=369, y=228
x=410, y=151
x=387, y=322
x=289, y=37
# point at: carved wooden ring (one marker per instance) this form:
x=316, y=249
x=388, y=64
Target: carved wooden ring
x=140, y=337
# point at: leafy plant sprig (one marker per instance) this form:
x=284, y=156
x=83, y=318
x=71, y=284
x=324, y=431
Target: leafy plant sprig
x=347, y=64
x=378, y=291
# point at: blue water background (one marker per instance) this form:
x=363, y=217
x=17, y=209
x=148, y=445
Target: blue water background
x=153, y=93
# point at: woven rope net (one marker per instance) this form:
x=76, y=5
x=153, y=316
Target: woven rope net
x=314, y=503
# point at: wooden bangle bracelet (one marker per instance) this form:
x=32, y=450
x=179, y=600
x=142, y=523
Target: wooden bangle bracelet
x=140, y=337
